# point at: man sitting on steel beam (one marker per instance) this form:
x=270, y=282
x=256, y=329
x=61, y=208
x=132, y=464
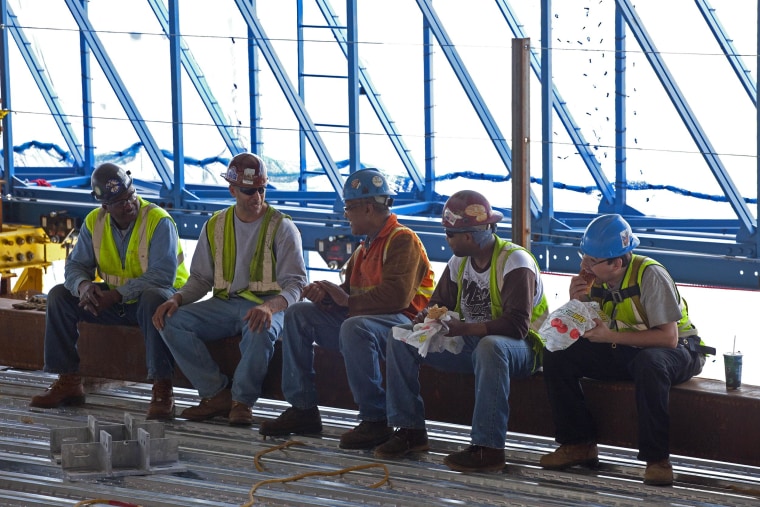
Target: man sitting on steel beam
x=495, y=285
x=388, y=280
x=650, y=340
x=133, y=246
x=250, y=255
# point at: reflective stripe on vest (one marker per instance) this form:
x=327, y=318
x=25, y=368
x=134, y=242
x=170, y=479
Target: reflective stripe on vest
x=263, y=275
x=107, y=257
x=624, y=305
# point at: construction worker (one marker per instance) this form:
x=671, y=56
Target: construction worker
x=250, y=255
x=388, y=281
x=496, y=287
x=133, y=246
x=650, y=340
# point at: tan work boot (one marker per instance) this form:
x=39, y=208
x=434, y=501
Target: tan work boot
x=569, y=455
x=240, y=414
x=162, y=402
x=67, y=390
x=220, y=404
x=659, y=473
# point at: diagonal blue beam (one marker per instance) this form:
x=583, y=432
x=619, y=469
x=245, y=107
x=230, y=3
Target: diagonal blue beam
x=748, y=222
x=152, y=149
x=46, y=89
x=481, y=109
x=373, y=97
x=291, y=95
x=560, y=106
x=198, y=79
x=727, y=45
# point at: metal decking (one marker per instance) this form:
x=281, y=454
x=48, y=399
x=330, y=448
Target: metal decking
x=220, y=468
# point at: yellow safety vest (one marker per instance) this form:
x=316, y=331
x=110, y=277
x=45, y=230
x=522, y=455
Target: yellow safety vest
x=263, y=273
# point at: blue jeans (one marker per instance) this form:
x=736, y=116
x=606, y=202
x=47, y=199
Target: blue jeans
x=360, y=339
x=61, y=332
x=494, y=360
x=191, y=327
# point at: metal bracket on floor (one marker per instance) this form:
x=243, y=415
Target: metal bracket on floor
x=113, y=450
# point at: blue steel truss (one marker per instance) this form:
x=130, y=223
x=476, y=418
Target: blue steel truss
x=721, y=252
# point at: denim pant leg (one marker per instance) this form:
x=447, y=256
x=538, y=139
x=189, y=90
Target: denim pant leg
x=190, y=328
x=654, y=371
x=61, y=333
x=256, y=350
x=362, y=343
x=305, y=324
x=158, y=360
x=405, y=406
x=496, y=360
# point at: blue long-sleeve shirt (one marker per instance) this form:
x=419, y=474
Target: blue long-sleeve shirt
x=162, y=259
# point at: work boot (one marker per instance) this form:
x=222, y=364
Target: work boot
x=366, y=435
x=568, y=455
x=476, y=458
x=162, y=402
x=240, y=414
x=67, y=390
x=659, y=473
x=220, y=404
x=402, y=442
x=293, y=420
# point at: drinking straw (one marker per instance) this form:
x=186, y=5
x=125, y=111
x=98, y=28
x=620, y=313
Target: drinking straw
x=733, y=352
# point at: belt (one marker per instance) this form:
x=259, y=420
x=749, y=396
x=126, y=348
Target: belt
x=694, y=344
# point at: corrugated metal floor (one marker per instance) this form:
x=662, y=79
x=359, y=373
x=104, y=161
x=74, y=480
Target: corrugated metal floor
x=218, y=469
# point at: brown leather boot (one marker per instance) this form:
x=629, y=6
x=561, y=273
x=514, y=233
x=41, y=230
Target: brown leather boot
x=162, y=402
x=220, y=404
x=67, y=390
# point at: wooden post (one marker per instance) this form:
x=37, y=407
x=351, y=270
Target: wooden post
x=521, y=142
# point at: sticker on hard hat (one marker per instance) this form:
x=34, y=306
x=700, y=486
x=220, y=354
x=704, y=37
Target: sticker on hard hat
x=249, y=175
x=478, y=211
x=355, y=183
x=232, y=173
x=114, y=186
x=377, y=181
x=625, y=238
x=450, y=217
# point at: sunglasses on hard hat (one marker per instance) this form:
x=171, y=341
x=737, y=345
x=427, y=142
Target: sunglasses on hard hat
x=251, y=191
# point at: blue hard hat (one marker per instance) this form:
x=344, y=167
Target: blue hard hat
x=366, y=183
x=608, y=236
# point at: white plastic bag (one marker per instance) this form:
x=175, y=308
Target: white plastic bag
x=569, y=322
x=428, y=336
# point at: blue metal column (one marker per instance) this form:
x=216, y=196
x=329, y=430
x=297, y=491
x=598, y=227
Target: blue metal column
x=257, y=143
x=176, y=80
x=87, y=123
x=301, y=94
x=354, y=127
x=547, y=108
x=621, y=178
x=429, y=111
x=5, y=100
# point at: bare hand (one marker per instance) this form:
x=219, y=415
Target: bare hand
x=259, y=318
x=420, y=317
x=600, y=334
x=163, y=312
x=89, y=297
x=579, y=288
